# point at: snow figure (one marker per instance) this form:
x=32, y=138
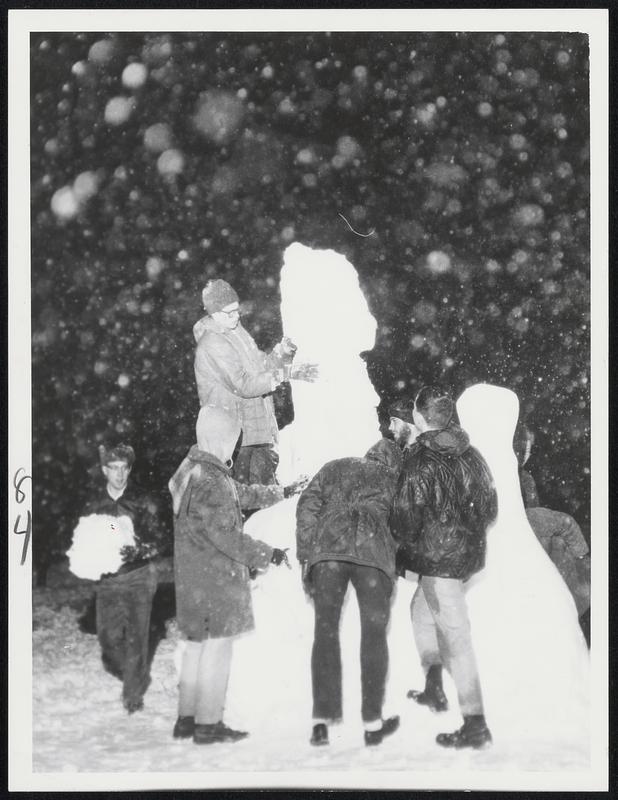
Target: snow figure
x=97, y=542
x=532, y=657
x=325, y=313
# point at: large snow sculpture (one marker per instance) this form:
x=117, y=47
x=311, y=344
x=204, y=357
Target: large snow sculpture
x=325, y=313
x=532, y=657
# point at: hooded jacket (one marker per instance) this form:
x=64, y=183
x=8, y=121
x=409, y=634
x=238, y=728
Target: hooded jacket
x=233, y=374
x=444, y=502
x=212, y=555
x=343, y=513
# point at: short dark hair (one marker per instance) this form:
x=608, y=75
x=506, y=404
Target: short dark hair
x=435, y=404
x=402, y=409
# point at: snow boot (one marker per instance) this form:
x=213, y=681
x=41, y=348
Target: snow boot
x=433, y=694
x=211, y=734
x=473, y=733
x=319, y=734
x=184, y=728
x=389, y=726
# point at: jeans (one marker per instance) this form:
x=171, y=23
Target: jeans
x=373, y=590
x=124, y=605
x=442, y=634
x=256, y=463
x=203, y=679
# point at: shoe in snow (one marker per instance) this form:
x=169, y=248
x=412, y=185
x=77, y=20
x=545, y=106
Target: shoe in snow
x=319, y=734
x=473, y=733
x=184, y=728
x=433, y=698
x=134, y=705
x=389, y=726
x=211, y=734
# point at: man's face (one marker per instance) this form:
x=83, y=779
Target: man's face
x=117, y=474
x=399, y=429
x=228, y=317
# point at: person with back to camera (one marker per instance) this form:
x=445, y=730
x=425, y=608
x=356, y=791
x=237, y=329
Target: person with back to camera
x=232, y=373
x=212, y=559
x=343, y=537
x=445, y=501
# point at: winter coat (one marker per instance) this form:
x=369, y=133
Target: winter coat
x=343, y=513
x=444, y=502
x=212, y=555
x=152, y=539
x=565, y=544
x=233, y=374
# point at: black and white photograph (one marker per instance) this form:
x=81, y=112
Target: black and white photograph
x=308, y=399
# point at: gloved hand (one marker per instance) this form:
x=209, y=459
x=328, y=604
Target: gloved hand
x=305, y=372
x=296, y=487
x=279, y=556
x=287, y=348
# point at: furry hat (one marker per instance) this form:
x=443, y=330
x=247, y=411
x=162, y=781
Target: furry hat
x=121, y=452
x=218, y=294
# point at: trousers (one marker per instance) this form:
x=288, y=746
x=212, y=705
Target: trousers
x=204, y=677
x=123, y=606
x=256, y=463
x=373, y=588
x=442, y=634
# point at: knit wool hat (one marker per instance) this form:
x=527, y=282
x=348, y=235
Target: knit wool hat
x=121, y=452
x=218, y=294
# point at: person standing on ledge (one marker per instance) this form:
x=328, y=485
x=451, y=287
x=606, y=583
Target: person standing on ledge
x=233, y=374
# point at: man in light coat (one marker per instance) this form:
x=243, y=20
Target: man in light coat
x=233, y=374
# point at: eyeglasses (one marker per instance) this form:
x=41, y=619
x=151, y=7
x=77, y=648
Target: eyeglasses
x=236, y=312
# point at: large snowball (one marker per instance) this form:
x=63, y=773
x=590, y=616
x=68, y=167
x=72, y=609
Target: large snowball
x=171, y=162
x=158, y=137
x=97, y=542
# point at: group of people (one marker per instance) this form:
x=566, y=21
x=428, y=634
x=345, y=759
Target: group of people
x=419, y=503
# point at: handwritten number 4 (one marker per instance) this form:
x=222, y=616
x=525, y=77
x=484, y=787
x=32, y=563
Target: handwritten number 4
x=27, y=531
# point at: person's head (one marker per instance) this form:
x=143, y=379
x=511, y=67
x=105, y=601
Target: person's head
x=116, y=465
x=221, y=303
x=523, y=440
x=217, y=432
x=401, y=423
x=433, y=408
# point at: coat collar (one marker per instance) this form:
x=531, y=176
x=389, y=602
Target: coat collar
x=202, y=457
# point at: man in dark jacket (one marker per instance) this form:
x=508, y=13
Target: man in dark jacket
x=342, y=537
x=124, y=598
x=444, y=502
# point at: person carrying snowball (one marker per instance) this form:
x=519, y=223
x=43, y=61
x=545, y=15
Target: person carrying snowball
x=212, y=561
x=118, y=540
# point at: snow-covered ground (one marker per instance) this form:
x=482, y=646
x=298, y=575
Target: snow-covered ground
x=79, y=724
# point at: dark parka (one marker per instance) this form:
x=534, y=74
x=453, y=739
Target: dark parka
x=212, y=555
x=445, y=501
x=343, y=513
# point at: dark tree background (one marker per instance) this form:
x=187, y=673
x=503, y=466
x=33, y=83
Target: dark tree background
x=159, y=161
